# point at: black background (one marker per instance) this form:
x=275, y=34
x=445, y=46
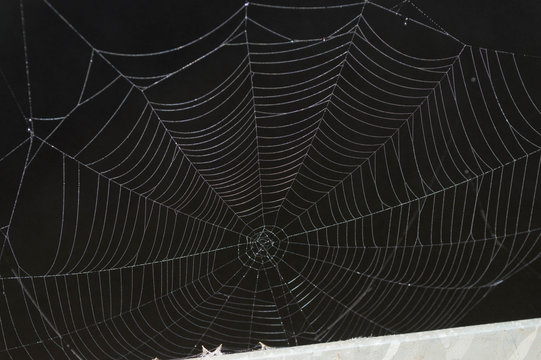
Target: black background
x=146, y=26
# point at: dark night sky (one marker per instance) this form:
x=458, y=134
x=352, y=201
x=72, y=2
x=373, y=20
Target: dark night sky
x=112, y=199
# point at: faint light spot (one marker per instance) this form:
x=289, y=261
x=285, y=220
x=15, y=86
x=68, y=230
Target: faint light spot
x=473, y=79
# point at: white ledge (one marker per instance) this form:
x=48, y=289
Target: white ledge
x=514, y=340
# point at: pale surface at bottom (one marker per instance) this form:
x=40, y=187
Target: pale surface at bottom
x=515, y=340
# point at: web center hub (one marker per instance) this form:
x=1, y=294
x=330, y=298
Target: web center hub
x=263, y=247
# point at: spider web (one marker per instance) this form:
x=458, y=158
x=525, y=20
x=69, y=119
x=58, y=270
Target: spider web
x=268, y=181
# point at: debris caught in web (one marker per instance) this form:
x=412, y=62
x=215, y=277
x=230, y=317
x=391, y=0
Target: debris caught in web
x=207, y=353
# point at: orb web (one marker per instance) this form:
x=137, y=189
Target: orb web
x=264, y=181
